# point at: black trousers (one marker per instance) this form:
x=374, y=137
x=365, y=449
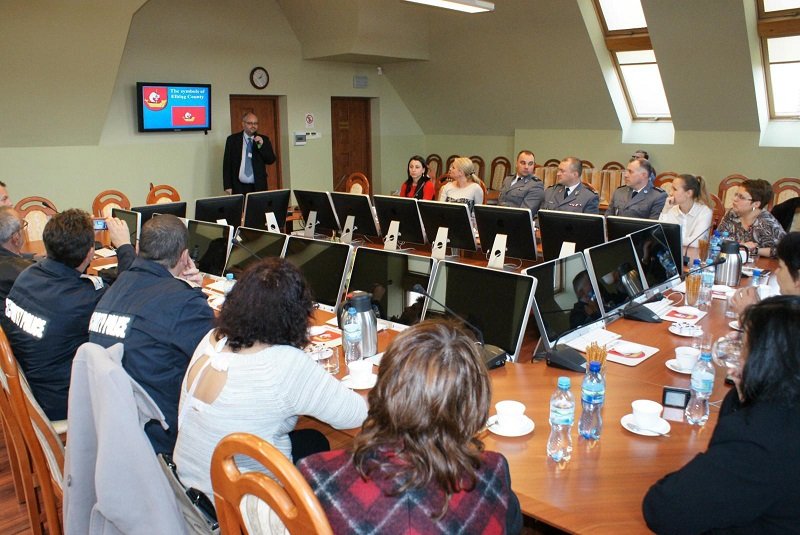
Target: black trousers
x=307, y=442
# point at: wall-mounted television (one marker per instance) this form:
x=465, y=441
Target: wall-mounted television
x=165, y=107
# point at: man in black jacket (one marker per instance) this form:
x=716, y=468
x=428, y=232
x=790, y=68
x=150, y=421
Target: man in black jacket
x=247, y=153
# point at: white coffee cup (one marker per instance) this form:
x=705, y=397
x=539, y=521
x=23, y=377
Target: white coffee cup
x=686, y=356
x=360, y=370
x=510, y=413
x=646, y=413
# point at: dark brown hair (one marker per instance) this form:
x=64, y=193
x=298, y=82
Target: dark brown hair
x=68, y=236
x=270, y=304
x=431, y=398
x=759, y=190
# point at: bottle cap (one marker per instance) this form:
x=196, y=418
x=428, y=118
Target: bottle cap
x=564, y=383
x=351, y=310
x=696, y=262
x=229, y=276
x=756, y=272
x=594, y=366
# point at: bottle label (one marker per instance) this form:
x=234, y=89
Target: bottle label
x=593, y=396
x=702, y=382
x=562, y=416
x=352, y=332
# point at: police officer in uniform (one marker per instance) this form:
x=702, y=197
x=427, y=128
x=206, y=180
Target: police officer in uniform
x=48, y=308
x=522, y=189
x=637, y=198
x=157, y=309
x=569, y=194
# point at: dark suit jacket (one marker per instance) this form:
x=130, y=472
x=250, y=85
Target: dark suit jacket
x=233, y=160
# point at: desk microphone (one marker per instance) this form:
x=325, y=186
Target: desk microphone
x=686, y=249
x=237, y=241
x=493, y=356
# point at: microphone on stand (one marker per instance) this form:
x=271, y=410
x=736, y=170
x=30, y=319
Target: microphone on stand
x=686, y=249
x=237, y=241
x=493, y=356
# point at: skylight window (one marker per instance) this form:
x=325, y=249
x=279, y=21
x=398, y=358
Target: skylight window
x=779, y=29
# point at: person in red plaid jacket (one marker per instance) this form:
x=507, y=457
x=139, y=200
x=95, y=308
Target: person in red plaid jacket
x=417, y=466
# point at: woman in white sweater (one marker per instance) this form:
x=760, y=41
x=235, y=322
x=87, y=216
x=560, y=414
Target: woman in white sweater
x=464, y=186
x=688, y=205
x=251, y=374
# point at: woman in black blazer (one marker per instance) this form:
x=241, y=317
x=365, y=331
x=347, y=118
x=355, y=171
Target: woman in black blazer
x=747, y=480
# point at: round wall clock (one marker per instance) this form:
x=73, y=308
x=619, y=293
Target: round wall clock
x=259, y=77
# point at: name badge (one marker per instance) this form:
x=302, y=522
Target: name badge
x=249, y=154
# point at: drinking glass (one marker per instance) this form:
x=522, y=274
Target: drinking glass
x=693, y=289
x=727, y=351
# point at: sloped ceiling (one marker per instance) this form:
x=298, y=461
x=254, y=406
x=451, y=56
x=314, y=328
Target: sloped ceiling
x=530, y=64
x=55, y=36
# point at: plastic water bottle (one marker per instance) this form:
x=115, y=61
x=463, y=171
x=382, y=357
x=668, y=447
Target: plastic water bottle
x=562, y=416
x=702, y=384
x=706, y=287
x=755, y=280
x=593, y=394
x=714, y=246
x=352, y=336
x=230, y=282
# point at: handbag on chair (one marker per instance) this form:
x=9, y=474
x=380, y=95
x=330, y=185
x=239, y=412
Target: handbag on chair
x=195, y=506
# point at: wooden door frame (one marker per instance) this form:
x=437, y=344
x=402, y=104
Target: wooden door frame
x=368, y=170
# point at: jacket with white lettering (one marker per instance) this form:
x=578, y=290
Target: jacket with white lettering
x=46, y=318
x=160, y=319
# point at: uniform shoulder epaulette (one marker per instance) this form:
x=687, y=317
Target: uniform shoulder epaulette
x=590, y=188
x=622, y=186
x=658, y=189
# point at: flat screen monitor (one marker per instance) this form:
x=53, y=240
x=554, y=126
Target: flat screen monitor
x=178, y=209
x=132, y=219
x=565, y=303
x=655, y=258
x=324, y=264
x=227, y=207
x=390, y=276
x=515, y=223
x=618, y=226
x=251, y=245
x=358, y=206
x=405, y=212
x=451, y=215
x=209, y=245
x=615, y=272
x=496, y=302
x=319, y=202
x=168, y=107
x=584, y=230
x=258, y=204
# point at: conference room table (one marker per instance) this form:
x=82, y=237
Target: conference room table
x=600, y=489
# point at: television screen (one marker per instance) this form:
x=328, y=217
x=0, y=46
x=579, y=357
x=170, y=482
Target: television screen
x=165, y=107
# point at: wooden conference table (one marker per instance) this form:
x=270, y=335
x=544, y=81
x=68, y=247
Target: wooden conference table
x=600, y=489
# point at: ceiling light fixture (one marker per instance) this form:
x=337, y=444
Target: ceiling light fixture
x=467, y=6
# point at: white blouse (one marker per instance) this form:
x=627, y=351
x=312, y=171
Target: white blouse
x=693, y=224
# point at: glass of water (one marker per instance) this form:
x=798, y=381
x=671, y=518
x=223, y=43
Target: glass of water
x=727, y=351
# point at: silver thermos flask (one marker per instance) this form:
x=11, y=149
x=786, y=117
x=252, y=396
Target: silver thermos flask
x=362, y=302
x=730, y=271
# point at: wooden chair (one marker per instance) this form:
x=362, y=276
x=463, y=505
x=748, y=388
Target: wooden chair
x=480, y=166
x=108, y=199
x=41, y=440
x=610, y=180
x=448, y=163
x=613, y=166
x=550, y=175
x=434, y=162
x=717, y=209
x=499, y=169
x=36, y=211
x=290, y=497
x=784, y=189
x=357, y=183
x=727, y=188
x=664, y=180
x=443, y=179
x=162, y=193
x=552, y=162
x=586, y=164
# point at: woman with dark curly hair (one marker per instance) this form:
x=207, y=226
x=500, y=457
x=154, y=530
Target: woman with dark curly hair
x=417, y=466
x=746, y=481
x=250, y=374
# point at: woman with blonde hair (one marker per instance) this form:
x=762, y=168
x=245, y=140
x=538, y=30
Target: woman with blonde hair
x=689, y=206
x=464, y=186
x=418, y=465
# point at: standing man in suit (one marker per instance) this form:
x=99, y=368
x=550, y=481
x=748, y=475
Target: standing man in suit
x=522, y=189
x=247, y=153
x=570, y=194
x=638, y=197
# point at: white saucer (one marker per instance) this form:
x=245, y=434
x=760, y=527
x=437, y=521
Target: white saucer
x=497, y=429
x=663, y=426
x=735, y=325
x=683, y=330
x=672, y=364
x=369, y=382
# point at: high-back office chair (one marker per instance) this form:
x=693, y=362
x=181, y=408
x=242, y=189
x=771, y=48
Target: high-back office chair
x=480, y=166
x=613, y=166
x=36, y=211
x=357, y=183
x=161, y=194
x=434, y=162
x=108, y=199
x=784, y=189
x=290, y=497
x=41, y=440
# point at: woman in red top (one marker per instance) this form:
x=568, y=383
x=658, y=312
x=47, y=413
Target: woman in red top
x=418, y=466
x=419, y=185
